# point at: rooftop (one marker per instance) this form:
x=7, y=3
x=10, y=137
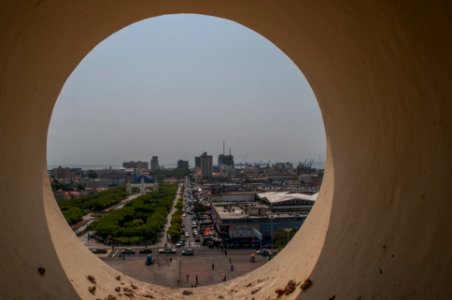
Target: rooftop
x=276, y=197
x=227, y=211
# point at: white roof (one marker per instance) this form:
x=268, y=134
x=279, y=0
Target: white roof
x=277, y=197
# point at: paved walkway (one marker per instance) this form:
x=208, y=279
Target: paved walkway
x=163, y=240
x=172, y=269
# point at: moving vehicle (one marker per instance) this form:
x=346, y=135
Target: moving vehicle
x=187, y=251
x=145, y=251
x=181, y=243
x=99, y=251
x=167, y=250
x=127, y=251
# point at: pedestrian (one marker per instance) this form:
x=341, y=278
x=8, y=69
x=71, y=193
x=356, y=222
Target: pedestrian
x=225, y=252
x=188, y=276
x=196, y=279
x=232, y=268
x=224, y=277
x=230, y=260
x=213, y=267
x=171, y=259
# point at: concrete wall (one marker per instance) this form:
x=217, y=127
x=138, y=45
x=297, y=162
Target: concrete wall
x=382, y=73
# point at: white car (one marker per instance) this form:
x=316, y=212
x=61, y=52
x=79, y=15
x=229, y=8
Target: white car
x=180, y=243
x=167, y=250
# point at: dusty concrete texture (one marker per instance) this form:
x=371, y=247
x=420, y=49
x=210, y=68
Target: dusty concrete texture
x=382, y=74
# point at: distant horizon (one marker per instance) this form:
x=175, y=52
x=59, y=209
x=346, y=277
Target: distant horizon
x=316, y=164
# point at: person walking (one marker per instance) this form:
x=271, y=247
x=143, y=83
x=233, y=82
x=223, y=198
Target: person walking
x=213, y=267
x=196, y=279
x=188, y=276
x=230, y=260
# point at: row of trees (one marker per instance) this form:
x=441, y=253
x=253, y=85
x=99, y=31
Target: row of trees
x=282, y=237
x=167, y=173
x=75, y=208
x=140, y=220
x=175, y=230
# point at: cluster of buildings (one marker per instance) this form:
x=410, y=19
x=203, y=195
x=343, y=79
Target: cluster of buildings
x=154, y=163
x=225, y=167
x=250, y=202
x=74, y=182
x=283, y=176
x=253, y=218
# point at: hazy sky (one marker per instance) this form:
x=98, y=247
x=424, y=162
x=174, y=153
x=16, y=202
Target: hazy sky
x=178, y=85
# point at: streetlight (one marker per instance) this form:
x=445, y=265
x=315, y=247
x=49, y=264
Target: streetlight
x=287, y=230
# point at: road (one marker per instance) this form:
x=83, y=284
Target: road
x=209, y=265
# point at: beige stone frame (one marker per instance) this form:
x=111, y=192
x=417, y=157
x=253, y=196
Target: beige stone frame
x=382, y=74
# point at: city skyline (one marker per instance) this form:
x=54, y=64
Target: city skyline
x=176, y=86
x=316, y=162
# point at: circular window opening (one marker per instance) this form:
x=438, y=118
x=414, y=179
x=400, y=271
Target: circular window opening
x=186, y=150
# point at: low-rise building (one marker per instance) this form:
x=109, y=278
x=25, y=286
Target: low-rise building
x=287, y=202
x=251, y=223
x=137, y=165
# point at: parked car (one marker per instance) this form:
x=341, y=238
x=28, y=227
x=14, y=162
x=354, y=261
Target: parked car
x=99, y=251
x=145, y=251
x=149, y=260
x=187, y=251
x=167, y=250
x=127, y=251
